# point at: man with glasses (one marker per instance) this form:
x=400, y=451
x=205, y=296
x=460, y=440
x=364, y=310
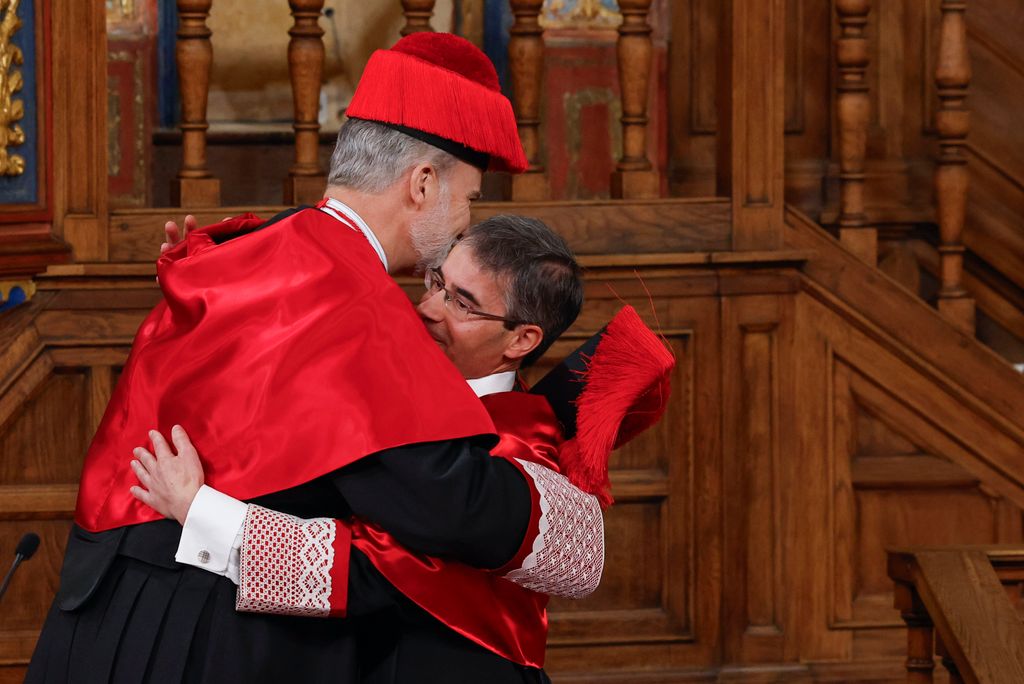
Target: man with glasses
x=507, y=290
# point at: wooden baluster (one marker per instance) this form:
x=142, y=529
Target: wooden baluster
x=634, y=177
x=952, y=76
x=306, y=180
x=194, y=186
x=947, y=661
x=852, y=109
x=417, y=16
x=526, y=65
x=920, y=663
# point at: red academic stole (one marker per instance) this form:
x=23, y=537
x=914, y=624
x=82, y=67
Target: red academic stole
x=493, y=612
x=286, y=353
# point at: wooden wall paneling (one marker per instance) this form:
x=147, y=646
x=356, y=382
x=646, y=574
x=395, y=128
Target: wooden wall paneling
x=808, y=102
x=901, y=474
x=691, y=92
x=592, y=227
x=39, y=471
x=80, y=125
x=810, y=494
x=657, y=607
x=751, y=122
x=756, y=340
x=48, y=379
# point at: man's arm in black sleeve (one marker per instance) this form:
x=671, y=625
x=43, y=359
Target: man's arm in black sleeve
x=442, y=498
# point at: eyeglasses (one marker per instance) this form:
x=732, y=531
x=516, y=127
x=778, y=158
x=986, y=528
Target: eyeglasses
x=434, y=282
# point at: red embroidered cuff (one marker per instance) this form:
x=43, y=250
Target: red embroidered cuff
x=290, y=566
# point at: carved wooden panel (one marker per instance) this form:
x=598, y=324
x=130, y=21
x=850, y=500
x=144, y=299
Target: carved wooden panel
x=647, y=590
x=44, y=433
x=757, y=341
x=657, y=601
x=896, y=491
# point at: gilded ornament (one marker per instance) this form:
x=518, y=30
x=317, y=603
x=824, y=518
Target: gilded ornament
x=11, y=110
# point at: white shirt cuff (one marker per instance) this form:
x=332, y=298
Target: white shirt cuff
x=212, y=534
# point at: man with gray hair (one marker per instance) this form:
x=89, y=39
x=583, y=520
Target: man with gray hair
x=508, y=288
x=287, y=343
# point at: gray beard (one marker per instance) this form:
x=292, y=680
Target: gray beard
x=431, y=239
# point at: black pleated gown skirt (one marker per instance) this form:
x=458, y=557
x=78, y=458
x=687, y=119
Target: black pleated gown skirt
x=166, y=623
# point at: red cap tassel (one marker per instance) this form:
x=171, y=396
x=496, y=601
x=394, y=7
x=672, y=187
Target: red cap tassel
x=627, y=389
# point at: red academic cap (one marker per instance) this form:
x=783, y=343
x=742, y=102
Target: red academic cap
x=608, y=391
x=442, y=89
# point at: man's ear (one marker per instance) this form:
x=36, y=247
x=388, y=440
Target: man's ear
x=422, y=184
x=525, y=340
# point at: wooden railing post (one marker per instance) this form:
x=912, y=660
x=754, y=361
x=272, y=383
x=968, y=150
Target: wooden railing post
x=306, y=180
x=751, y=108
x=634, y=177
x=920, y=662
x=417, y=16
x=952, y=77
x=194, y=186
x=526, y=66
x=852, y=109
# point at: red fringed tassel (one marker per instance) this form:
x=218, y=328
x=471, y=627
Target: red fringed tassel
x=401, y=89
x=627, y=390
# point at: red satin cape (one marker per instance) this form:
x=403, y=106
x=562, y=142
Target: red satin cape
x=286, y=353
x=495, y=613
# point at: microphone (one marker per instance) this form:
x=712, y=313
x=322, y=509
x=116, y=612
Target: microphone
x=25, y=549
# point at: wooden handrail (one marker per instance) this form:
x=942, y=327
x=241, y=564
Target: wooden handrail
x=959, y=593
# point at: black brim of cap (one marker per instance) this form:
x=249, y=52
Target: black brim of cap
x=480, y=160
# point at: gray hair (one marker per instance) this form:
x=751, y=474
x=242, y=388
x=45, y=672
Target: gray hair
x=370, y=157
x=543, y=282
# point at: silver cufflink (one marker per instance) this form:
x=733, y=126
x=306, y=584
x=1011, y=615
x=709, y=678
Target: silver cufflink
x=204, y=556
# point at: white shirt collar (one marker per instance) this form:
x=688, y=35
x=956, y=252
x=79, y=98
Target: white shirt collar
x=334, y=207
x=492, y=384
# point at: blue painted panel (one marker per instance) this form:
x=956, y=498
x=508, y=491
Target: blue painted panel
x=497, y=22
x=167, y=79
x=24, y=189
x=15, y=297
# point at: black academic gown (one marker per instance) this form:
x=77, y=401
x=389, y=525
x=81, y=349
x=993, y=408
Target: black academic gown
x=127, y=612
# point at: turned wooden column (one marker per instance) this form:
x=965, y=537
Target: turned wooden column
x=750, y=99
x=952, y=77
x=920, y=662
x=526, y=66
x=306, y=181
x=634, y=177
x=417, y=16
x=195, y=186
x=852, y=110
